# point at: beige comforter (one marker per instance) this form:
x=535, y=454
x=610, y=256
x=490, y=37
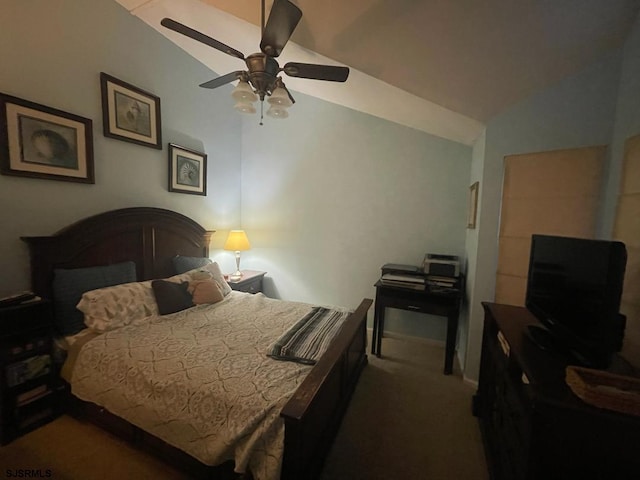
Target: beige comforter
x=200, y=379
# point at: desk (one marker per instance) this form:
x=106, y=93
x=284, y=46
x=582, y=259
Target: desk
x=423, y=301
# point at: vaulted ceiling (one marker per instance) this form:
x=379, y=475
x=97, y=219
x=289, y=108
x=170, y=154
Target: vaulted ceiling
x=451, y=64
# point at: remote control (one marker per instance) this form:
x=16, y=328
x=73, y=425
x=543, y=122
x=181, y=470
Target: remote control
x=16, y=299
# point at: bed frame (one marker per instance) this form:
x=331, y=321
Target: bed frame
x=150, y=237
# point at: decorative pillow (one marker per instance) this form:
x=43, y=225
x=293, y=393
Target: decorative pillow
x=171, y=297
x=182, y=264
x=205, y=291
x=113, y=307
x=214, y=269
x=69, y=285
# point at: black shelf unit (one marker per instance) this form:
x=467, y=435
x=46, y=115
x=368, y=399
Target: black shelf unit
x=29, y=389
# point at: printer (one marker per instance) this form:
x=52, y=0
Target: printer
x=441, y=265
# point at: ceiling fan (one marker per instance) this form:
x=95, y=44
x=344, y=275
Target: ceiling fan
x=261, y=78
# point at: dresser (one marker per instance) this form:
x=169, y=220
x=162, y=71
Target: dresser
x=532, y=424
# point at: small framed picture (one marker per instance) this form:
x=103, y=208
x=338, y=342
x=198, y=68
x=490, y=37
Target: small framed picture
x=129, y=113
x=473, y=205
x=187, y=170
x=43, y=142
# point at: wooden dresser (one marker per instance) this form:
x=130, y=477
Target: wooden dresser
x=533, y=426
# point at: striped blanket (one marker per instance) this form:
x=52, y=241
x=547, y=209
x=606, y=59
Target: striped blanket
x=308, y=339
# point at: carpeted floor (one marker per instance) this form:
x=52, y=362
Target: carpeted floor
x=406, y=421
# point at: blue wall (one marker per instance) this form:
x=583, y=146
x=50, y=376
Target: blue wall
x=331, y=194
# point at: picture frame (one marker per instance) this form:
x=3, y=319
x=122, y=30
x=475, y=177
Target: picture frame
x=129, y=113
x=38, y=141
x=473, y=205
x=187, y=170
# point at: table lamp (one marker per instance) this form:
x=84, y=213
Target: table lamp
x=237, y=241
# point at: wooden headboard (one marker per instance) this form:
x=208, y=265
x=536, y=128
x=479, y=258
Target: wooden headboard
x=148, y=236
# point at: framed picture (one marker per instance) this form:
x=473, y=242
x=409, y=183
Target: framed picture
x=42, y=142
x=187, y=170
x=473, y=205
x=129, y=113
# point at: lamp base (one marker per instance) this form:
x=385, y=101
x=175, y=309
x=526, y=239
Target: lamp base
x=234, y=277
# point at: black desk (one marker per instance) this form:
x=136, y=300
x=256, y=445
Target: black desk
x=423, y=301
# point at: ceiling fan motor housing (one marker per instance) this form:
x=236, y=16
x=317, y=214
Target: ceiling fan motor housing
x=263, y=70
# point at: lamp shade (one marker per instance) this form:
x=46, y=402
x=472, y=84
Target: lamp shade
x=277, y=111
x=245, y=107
x=280, y=97
x=237, y=241
x=244, y=92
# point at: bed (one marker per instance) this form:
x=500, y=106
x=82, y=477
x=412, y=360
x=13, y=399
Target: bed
x=151, y=238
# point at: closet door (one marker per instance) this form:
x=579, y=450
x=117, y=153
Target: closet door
x=627, y=230
x=554, y=193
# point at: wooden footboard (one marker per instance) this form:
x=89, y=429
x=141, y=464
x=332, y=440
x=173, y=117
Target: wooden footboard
x=312, y=416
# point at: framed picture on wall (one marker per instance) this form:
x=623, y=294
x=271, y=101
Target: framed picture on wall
x=473, y=205
x=129, y=113
x=43, y=142
x=187, y=170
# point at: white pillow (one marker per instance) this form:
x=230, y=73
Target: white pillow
x=113, y=307
x=214, y=270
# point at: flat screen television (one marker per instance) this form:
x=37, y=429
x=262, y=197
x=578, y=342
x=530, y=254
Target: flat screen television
x=574, y=288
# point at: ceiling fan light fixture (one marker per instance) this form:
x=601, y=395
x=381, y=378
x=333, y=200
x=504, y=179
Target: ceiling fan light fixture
x=280, y=97
x=245, y=107
x=243, y=92
x=277, y=111
x=261, y=79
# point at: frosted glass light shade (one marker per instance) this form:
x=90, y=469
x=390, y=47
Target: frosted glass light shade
x=244, y=92
x=245, y=107
x=277, y=111
x=237, y=241
x=280, y=97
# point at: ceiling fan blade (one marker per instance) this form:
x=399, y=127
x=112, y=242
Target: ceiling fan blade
x=283, y=19
x=223, y=80
x=200, y=37
x=317, y=72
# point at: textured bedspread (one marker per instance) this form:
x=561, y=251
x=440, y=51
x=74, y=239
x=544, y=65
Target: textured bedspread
x=200, y=379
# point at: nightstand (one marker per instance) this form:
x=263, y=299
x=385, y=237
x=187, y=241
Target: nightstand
x=28, y=385
x=251, y=282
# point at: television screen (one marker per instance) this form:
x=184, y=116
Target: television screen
x=574, y=288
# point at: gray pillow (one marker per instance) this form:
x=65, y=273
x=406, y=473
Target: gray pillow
x=70, y=284
x=182, y=264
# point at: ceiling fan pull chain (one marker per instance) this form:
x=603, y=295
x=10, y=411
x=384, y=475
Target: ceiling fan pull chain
x=261, y=114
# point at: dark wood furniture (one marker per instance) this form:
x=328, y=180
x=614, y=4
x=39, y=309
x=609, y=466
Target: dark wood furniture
x=251, y=282
x=533, y=426
x=151, y=237
x=28, y=385
x=423, y=301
